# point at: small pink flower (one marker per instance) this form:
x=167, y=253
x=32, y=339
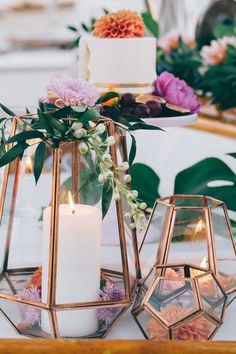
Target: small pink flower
x=216, y=52
x=29, y=315
x=71, y=92
x=170, y=41
x=176, y=92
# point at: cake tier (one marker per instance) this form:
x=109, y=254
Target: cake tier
x=127, y=64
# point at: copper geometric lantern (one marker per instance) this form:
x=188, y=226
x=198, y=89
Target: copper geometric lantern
x=195, y=230
x=179, y=302
x=72, y=287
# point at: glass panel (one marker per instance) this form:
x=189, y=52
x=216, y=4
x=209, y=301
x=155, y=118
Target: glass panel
x=190, y=202
x=26, y=318
x=154, y=235
x=151, y=327
x=213, y=299
x=188, y=242
x=198, y=328
x=173, y=299
x=225, y=252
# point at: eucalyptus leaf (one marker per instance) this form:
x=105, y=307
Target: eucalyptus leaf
x=13, y=153
x=26, y=135
x=43, y=119
x=7, y=110
x=133, y=150
x=144, y=126
x=39, y=160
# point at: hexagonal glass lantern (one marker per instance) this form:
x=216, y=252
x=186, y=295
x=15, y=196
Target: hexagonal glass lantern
x=58, y=277
x=195, y=230
x=179, y=302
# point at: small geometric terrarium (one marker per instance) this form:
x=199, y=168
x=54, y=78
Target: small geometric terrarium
x=64, y=271
x=192, y=229
x=179, y=302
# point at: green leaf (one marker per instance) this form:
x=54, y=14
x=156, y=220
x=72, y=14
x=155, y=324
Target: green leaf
x=57, y=125
x=7, y=110
x=26, y=135
x=75, y=43
x=73, y=29
x=144, y=126
x=107, y=193
x=27, y=111
x=133, y=150
x=85, y=27
x=107, y=96
x=43, y=119
x=151, y=24
x=198, y=179
x=146, y=182
x=13, y=153
x=39, y=160
x=233, y=154
x=89, y=115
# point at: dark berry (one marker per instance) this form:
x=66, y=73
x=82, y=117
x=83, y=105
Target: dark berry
x=142, y=111
x=155, y=108
x=127, y=110
x=127, y=100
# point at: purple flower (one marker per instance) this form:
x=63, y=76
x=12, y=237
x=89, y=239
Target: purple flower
x=71, y=92
x=176, y=92
x=110, y=292
x=29, y=315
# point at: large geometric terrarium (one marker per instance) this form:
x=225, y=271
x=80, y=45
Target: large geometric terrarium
x=179, y=302
x=195, y=230
x=59, y=278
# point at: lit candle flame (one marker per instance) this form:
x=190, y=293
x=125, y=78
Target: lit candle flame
x=71, y=202
x=28, y=165
x=199, y=227
x=204, y=263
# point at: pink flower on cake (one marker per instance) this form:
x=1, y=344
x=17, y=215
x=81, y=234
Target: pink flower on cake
x=216, y=52
x=170, y=41
x=71, y=92
x=176, y=92
x=122, y=24
x=198, y=328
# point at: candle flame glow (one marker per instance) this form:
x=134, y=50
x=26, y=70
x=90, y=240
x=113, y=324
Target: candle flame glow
x=71, y=202
x=28, y=165
x=199, y=227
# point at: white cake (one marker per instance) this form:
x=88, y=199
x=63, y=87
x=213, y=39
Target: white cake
x=127, y=64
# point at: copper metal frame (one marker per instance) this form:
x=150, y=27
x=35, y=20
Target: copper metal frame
x=51, y=306
x=144, y=305
x=163, y=249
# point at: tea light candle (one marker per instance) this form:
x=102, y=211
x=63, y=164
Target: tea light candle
x=78, y=267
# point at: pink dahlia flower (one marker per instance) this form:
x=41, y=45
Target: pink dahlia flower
x=198, y=328
x=176, y=92
x=71, y=92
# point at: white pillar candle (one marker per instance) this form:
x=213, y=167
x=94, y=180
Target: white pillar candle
x=78, y=267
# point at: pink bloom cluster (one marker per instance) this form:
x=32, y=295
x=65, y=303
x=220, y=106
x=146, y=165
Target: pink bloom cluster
x=29, y=315
x=198, y=328
x=110, y=292
x=216, y=52
x=176, y=92
x=170, y=41
x=71, y=92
